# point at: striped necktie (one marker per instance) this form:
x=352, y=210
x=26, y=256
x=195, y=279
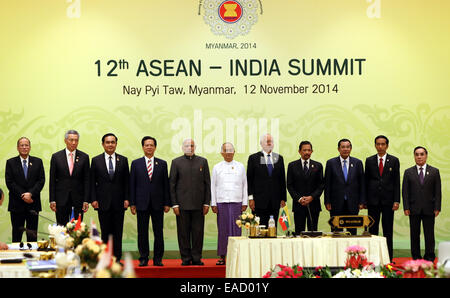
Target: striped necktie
x=150, y=169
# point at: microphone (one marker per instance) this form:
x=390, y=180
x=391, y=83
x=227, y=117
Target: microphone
x=37, y=214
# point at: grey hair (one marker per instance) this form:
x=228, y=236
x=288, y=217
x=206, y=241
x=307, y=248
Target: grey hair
x=71, y=132
x=221, y=148
x=23, y=138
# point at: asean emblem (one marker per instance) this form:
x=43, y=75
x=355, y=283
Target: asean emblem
x=230, y=18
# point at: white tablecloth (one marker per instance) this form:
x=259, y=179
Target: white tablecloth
x=254, y=257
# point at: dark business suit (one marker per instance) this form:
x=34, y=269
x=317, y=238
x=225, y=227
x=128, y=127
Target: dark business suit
x=190, y=189
x=17, y=185
x=422, y=200
x=344, y=196
x=268, y=190
x=69, y=190
x=150, y=197
x=381, y=194
x=309, y=183
x=110, y=192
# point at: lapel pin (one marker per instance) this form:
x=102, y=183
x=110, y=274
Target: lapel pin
x=201, y=168
x=428, y=173
x=156, y=163
x=351, y=165
x=31, y=164
x=117, y=158
x=312, y=166
x=390, y=169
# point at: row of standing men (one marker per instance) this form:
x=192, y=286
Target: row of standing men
x=111, y=188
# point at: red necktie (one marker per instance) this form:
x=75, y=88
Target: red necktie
x=381, y=167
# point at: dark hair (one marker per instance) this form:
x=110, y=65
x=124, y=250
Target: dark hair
x=344, y=140
x=420, y=147
x=304, y=143
x=108, y=135
x=148, y=138
x=382, y=137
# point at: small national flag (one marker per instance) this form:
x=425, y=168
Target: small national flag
x=95, y=235
x=106, y=258
x=72, y=216
x=284, y=220
x=78, y=224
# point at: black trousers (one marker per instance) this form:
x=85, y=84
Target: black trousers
x=63, y=213
x=428, y=232
x=111, y=223
x=18, y=220
x=344, y=211
x=143, y=221
x=190, y=232
x=386, y=214
x=302, y=217
x=264, y=215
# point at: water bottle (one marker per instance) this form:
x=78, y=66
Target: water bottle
x=272, y=228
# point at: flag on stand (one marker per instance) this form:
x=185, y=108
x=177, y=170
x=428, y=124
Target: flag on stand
x=95, y=235
x=285, y=219
x=78, y=224
x=106, y=258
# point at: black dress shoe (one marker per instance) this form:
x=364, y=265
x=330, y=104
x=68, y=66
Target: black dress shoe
x=157, y=263
x=198, y=263
x=143, y=263
x=186, y=263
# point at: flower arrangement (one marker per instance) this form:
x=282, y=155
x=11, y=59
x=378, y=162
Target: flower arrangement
x=357, y=266
x=356, y=258
x=282, y=271
x=247, y=220
x=419, y=269
x=367, y=272
x=113, y=271
x=89, y=252
x=78, y=231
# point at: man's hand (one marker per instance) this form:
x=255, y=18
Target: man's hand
x=436, y=213
x=53, y=206
x=126, y=204
x=407, y=212
x=214, y=209
x=205, y=210
x=328, y=206
x=282, y=204
x=95, y=204
x=166, y=209
x=26, y=197
x=176, y=210
x=133, y=210
x=85, y=206
x=251, y=204
x=244, y=207
x=395, y=206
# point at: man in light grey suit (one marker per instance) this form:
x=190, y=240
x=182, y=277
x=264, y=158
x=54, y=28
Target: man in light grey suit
x=422, y=194
x=190, y=192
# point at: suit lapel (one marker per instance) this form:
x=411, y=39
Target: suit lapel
x=64, y=161
x=338, y=165
x=20, y=167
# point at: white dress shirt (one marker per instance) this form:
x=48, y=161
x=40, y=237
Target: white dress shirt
x=383, y=158
x=113, y=159
x=229, y=183
x=424, y=168
x=68, y=157
x=347, y=164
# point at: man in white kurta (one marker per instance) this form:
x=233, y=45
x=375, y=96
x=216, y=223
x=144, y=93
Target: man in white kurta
x=228, y=197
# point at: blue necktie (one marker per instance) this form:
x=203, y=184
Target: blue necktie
x=111, y=168
x=25, y=168
x=269, y=165
x=344, y=170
